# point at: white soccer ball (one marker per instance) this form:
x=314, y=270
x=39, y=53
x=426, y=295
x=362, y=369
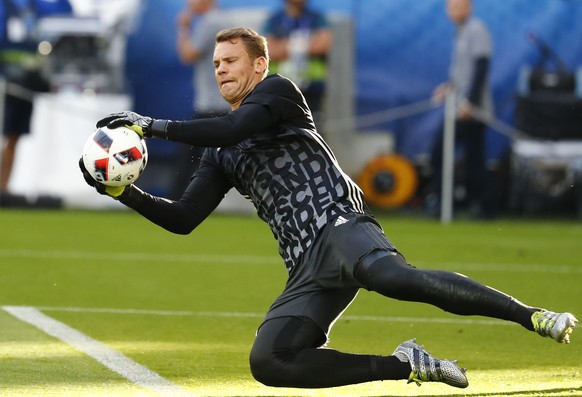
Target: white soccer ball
x=115, y=157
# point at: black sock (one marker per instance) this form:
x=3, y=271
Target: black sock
x=390, y=368
x=520, y=313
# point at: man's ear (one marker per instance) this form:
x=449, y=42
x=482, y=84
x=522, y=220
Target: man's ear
x=261, y=65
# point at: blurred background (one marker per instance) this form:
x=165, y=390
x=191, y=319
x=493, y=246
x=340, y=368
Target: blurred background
x=386, y=59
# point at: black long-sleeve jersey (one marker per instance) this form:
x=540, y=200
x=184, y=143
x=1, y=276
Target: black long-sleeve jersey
x=269, y=150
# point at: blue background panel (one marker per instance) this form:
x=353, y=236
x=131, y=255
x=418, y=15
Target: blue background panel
x=402, y=52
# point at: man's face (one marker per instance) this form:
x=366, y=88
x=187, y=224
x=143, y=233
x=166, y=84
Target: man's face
x=297, y=3
x=199, y=6
x=236, y=73
x=458, y=10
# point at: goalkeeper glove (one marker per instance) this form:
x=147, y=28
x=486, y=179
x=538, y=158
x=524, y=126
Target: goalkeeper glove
x=116, y=192
x=144, y=126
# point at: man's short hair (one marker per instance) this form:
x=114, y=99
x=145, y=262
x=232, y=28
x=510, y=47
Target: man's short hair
x=255, y=44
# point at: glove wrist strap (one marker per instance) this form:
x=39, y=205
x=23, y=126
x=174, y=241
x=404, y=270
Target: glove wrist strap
x=159, y=129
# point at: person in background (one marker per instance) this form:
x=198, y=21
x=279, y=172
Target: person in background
x=197, y=25
x=20, y=68
x=469, y=75
x=299, y=40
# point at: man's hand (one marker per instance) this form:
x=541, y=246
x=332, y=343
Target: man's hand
x=138, y=123
x=112, y=191
x=440, y=92
x=465, y=110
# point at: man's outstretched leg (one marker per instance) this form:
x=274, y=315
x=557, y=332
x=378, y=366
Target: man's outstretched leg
x=287, y=353
x=387, y=273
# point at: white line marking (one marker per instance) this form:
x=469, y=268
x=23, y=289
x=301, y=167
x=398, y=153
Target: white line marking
x=270, y=260
x=110, y=358
x=185, y=313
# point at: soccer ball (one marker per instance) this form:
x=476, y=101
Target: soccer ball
x=115, y=157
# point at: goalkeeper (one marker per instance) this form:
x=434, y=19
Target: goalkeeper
x=269, y=150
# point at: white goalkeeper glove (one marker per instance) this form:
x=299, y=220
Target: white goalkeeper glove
x=144, y=126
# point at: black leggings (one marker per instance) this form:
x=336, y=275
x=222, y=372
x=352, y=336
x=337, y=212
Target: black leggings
x=287, y=350
x=287, y=353
x=388, y=274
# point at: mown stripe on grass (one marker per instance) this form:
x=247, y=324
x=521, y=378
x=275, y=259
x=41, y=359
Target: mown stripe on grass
x=139, y=256
x=270, y=259
x=108, y=357
x=186, y=313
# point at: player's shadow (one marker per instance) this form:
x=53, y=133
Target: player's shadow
x=576, y=391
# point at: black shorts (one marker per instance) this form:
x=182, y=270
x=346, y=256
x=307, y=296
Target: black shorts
x=322, y=285
x=17, y=115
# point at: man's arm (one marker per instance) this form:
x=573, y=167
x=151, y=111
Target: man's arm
x=201, y=197
x=227, y=130
x=249, y=119
x=187, y=51
x=319, y=45
x=479, y=80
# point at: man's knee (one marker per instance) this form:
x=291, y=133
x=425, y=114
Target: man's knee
x=266, y=367
x=273, y=355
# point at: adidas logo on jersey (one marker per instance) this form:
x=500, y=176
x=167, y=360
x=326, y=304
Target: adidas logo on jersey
x=340, y=221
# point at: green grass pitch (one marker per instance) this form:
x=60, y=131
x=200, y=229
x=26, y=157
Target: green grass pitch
x=187, y=307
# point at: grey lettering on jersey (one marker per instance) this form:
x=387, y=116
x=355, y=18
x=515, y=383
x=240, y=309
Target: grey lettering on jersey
x=295, y=183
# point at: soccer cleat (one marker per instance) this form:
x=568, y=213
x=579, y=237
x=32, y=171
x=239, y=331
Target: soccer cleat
x=426, y=368
x=557, y=326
